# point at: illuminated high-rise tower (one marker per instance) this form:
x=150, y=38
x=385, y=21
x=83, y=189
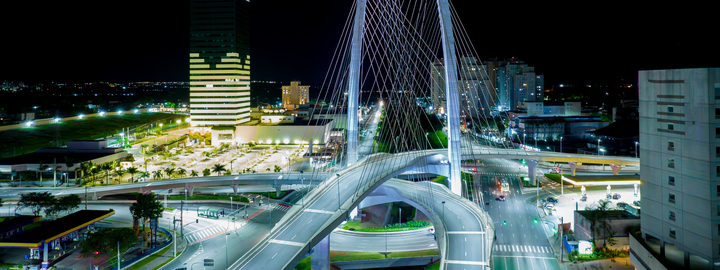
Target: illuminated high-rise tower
x=219, y=62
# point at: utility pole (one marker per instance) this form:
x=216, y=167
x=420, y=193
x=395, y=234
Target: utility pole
x=119, y=256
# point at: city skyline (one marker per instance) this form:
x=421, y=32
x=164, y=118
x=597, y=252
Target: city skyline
x=114, y=43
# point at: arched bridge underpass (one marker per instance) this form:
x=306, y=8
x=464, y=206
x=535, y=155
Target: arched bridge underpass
x=305, y=226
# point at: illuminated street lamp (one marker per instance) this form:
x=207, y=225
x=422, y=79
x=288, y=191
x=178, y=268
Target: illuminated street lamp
x=29, y=123
x=136, y=111
x=102, y=113
x=598, y=147
x=636, y=150
x=56, y=120
x=119, y=112
x=178, y=121
x=81, y=116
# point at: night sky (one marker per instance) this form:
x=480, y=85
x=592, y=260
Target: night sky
x=126, y=41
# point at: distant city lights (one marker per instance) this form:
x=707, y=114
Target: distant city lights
x=119, y=112
x=81, y=116
x=102, y=113
x=29, y=123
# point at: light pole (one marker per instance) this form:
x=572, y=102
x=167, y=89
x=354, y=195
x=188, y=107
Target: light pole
x=636, y=150
x=86, y=197
x=561, y=144
x=523, y=139
x=598, y=147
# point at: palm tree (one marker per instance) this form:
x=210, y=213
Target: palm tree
x=143, y=148
x=194, y=173
x=181, y=172
x=120, y=173
x=69, y=162
x=132, y=171
x=169, y=172
x=157, y=174
x=107, y=167
x=93, y=172
x=218, y=168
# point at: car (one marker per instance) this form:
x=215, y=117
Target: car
x=500, y=199
x=636, y=203
x=552, y=200
x=622, y=205
x=616, y=196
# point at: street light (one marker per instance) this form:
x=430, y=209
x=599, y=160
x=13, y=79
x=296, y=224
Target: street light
x=636, y=149
x=598, y=147
x=561, y=144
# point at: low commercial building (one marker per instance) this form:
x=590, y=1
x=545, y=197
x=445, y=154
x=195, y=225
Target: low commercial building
x=619, y=221
x=53, y=159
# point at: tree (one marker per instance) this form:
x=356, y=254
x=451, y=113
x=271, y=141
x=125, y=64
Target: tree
x=106, y=242
x=278, y=168
x=132, y=171
x=107, y=167
x=206, y=172
x=157, y=175
x=93, y=172
x=194, y=173
x=169, y=172
x=120, y=173
x=218, y=168
x=69, y=162
x=146, y=207
x=35, y=201
x=181, y=172
x=69, y=203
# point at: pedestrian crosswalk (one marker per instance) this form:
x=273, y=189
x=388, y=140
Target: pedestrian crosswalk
x=520, y=248
x=282, y=207
x=202, y=235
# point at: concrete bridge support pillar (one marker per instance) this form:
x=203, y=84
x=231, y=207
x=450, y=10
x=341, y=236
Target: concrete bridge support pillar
x=573, y=166
x=189, y=190
x=532, y=164
x=615, y=168
x=320, y=259
x=94, y=196
x=235, y=188
x=278, y=189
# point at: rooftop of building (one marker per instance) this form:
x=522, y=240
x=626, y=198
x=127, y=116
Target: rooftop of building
x=12, y=223
x=297, y=122
x=55, y=229
x=50, y=158
x=610, y=214
x=566, y=118
x=620, y=129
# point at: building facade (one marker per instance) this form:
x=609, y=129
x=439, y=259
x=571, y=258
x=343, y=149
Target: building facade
x=516, y=82
x=477, y=95
x=680, y=165
x=219, y=62
x=294, y=95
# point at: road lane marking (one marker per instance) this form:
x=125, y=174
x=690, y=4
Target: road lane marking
x=466, y=262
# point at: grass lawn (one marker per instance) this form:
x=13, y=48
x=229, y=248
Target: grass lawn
x=434, y=266
x=304, y=264
x=364, y=227
x=26, y=140
x=148, y=259
x=336, y=256
x=342, y=256
x=438, y=140
x=441, y=180
x=168, y=261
